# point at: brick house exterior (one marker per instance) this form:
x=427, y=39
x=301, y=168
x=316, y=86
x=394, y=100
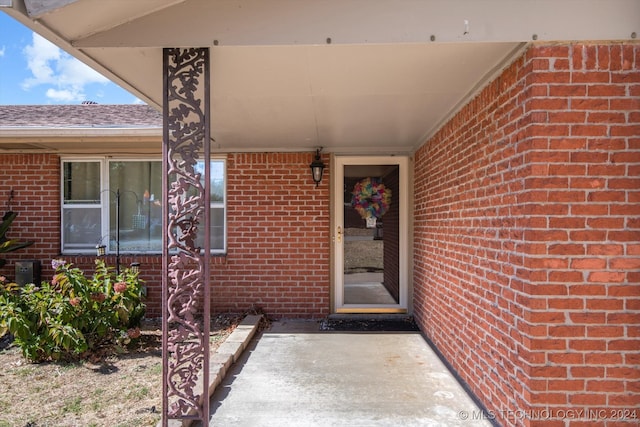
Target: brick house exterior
x=275, y=262
x=526, y=268
x=526, y=253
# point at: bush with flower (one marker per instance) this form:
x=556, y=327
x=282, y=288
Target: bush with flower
x=73, y=315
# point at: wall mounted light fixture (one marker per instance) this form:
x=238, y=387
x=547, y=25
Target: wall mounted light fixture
x=317, y=168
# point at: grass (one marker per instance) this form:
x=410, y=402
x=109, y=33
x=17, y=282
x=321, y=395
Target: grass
x=73, y=405
x=119, y=390
x=138, y=393
x=361, y=256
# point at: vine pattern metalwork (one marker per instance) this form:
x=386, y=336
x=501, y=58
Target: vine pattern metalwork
x=186, y=214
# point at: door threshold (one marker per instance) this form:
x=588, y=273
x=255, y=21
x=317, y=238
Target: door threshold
x=365, y=316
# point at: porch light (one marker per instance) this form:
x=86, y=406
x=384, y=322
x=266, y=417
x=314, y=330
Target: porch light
x=317, y=167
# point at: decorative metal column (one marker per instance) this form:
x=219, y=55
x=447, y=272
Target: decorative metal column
x=185, y=279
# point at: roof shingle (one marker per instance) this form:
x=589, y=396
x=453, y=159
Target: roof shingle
x=78, y=116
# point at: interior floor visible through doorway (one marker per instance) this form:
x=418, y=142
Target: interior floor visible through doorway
x=366, y=288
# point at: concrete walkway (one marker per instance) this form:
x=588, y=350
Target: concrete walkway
x=295, y=375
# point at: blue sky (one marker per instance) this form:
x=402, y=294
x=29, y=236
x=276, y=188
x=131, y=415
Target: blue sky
x=34, y=72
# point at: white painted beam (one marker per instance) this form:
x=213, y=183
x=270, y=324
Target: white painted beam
x=18, y=12
x=38, y=8
x=291, y=22
x=87, y=17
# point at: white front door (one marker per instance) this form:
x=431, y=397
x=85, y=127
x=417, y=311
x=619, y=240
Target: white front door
x=370, y=234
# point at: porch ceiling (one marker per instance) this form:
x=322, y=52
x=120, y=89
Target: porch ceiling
x=353, y=76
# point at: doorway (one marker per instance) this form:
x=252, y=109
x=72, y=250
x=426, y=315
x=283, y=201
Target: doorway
x=370, y=234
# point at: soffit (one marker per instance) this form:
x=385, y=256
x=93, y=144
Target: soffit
x=353, y=76
x=81, y=141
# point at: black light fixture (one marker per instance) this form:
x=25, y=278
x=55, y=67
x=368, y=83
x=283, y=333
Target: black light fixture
x=317, y=167
x=101, y=250
x=135, y=267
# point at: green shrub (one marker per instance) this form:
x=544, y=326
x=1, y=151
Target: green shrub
x=73, y=315
x=7, y=244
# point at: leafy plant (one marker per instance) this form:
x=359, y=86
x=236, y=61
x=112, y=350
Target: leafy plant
x=72, y=315
x=6, y=244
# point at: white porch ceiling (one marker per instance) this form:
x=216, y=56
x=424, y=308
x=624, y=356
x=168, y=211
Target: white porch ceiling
x=353, y=76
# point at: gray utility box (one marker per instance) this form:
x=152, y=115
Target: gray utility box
x=27, y=272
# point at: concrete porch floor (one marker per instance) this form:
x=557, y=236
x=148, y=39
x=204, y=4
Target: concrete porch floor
x=296, y=375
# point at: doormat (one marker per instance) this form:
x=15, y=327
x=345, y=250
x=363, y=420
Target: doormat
x=404, y=324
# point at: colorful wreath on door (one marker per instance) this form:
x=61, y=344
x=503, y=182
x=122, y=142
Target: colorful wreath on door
x=370, y=198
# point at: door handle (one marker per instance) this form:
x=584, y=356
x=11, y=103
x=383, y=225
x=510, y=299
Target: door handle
x=339, y=235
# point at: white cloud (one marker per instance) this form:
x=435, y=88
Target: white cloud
x=2, y=49
x=49, y=65
x=62, y=95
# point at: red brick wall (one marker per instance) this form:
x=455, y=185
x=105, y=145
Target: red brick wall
x=35, y=181
x=278, y=227
x=278, y=233
x=468, y=240
x=526, y=246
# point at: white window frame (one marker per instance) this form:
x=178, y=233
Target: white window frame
x=223, y=204
x=64, y=206
x=105, y=200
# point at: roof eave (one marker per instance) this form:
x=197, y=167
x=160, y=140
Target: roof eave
x=85, y=132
